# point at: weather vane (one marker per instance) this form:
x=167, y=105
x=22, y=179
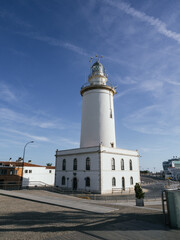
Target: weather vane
x=91, y=58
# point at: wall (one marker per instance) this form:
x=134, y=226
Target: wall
x=81, y=173
x=39, y=176
x=96, y=125
x=99, y=173
x=108, y=173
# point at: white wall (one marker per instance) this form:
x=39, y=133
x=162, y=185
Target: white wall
x=96, y=125
x=81, y=173
x=108, y=173
x=100, y=174
x=39, y=176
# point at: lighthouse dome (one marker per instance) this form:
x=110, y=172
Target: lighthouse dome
x=97, y=76
x=97, y=67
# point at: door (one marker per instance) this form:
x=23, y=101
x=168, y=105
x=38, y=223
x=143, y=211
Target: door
x=74, y=183
x=123, y=184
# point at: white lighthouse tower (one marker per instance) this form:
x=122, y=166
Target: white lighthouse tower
x=97, y=166
x=97, y=124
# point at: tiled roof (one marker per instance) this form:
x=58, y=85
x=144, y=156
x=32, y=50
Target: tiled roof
x=50, y=167
x=19, y=164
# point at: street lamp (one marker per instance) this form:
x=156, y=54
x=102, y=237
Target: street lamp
x=25, y=150
x=23, y=161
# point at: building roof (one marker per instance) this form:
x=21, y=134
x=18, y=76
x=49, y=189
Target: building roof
x=19, y=164
x=50, y=167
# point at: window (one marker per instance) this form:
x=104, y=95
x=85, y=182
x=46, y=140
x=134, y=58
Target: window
x=112, y=145
x=113, y=164
x=26, y=171
x=64, y=165
x=63, y=181
x=30, y=171
x=122, y=164
x=123, y=183
x=75, y=164
x=3, y=172
x=87, y=182
x=131, y=180
x=50, y=171
x=11, y=172
x=130, y=164
x=87, y=163
x=113, y=182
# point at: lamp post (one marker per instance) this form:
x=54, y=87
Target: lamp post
x=23, y=161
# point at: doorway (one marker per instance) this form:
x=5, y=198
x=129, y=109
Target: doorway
x=123, y=184
x=74, y=183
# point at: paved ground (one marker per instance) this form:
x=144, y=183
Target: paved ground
x=58, y=200
x=24, y=219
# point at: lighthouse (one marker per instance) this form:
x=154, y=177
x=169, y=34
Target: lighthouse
x=97, y=123
x=97, y=166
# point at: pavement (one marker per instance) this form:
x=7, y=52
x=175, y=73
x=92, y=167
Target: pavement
x=64, y=201
x=23, y=218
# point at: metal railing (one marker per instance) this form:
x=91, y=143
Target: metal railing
x=10, y=185
x=87, y=84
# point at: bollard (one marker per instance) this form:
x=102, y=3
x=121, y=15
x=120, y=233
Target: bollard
x=173, y=206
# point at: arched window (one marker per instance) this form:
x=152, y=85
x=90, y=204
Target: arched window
x=113, y=164
x=123, y=183
x=75, y=164
x=87, y=182
x=131, y=180
x=122, y=164
x=63, y=181
x=64, y=164
x=87, y=163
x=113, y=181
x=130, y=164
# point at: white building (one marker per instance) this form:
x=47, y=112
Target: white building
x=175, y=173
x=97, y=166
x=172, y=168
x=37, y=175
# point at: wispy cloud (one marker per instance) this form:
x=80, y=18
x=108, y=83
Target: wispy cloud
x=125, y=92
x=159, y=25
x=127, y=80
x=12, y=116
x=172, y=82
x=70, y=46
x=6, y=93
x=30, y=136
x=56, y=42
x=68, y=142
x=153, y=119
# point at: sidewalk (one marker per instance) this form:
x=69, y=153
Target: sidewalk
x=70, y=202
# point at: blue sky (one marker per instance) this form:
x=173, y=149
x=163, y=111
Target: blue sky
x=45, y=46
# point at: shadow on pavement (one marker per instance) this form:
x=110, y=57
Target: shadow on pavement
x=80, y=221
